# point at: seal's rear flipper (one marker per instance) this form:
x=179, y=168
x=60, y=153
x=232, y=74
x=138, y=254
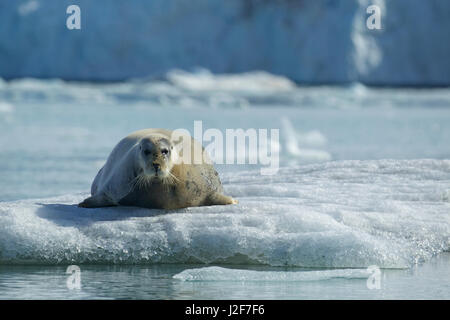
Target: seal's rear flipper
x=97, y=201
x=219, y=199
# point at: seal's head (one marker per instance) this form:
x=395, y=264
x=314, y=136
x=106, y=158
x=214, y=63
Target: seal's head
x=156, y=157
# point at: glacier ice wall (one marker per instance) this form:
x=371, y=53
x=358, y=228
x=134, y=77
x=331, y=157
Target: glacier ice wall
x=312, y=41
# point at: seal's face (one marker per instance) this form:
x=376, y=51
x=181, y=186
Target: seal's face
x=155, y=155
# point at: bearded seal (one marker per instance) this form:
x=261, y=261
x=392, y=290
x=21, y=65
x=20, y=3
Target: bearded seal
x=147, y=169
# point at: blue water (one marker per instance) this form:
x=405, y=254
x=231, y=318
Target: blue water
x=428, y=281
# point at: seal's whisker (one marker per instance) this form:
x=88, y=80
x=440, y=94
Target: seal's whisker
x=135, y=182
x=167, y=181
x=173, y=177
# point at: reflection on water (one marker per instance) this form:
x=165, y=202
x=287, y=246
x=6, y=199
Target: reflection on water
x=156, y=282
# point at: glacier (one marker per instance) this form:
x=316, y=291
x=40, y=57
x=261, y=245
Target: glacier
x=316, y=41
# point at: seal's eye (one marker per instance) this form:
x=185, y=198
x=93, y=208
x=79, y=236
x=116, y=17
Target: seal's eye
x=147, y=152
x=164, y=151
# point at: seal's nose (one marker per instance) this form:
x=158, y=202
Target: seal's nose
x=156, y=166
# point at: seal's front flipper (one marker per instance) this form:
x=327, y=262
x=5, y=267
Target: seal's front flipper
x=97, y=201
x=220, y=199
